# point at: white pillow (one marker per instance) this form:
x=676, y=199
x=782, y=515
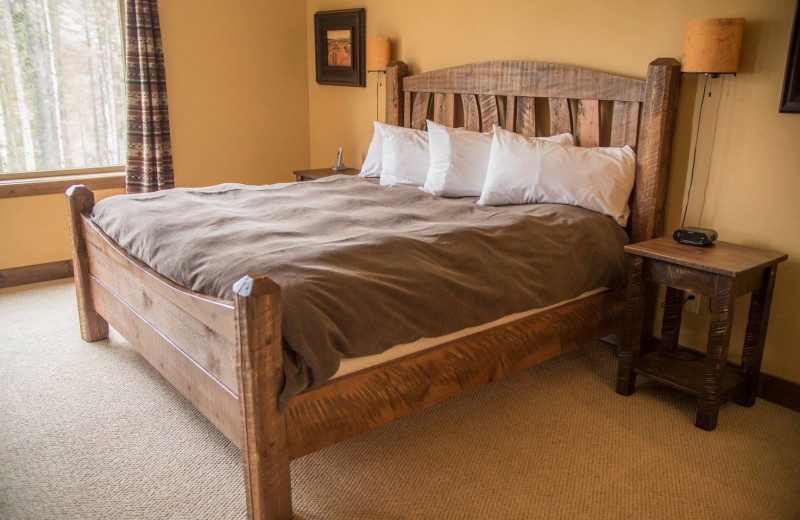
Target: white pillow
x=459, y=159
x=374, y=158
x=405, y=157
x=522, y=171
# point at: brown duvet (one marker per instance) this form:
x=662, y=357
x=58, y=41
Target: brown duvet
x=364, y=267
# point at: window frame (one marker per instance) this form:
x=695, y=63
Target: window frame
x=43, y=182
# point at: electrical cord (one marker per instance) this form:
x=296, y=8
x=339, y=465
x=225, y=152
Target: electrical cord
x=694, y=155
x=710, y=153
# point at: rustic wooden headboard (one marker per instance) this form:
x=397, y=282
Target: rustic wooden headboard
x=544, y=99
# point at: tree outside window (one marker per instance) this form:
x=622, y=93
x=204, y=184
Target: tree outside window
x=62, y=85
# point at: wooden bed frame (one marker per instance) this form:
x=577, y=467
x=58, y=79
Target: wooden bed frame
x=225, y=356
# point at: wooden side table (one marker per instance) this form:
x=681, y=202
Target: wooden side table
x=722, y=272
x=318, y=173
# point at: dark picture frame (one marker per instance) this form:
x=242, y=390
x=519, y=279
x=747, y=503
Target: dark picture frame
x=790, y=97
x=340, y=45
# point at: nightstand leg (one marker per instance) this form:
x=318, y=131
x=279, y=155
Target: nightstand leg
x=671, y=324
x=754, y=337
x=719, y=335
x=632, y=332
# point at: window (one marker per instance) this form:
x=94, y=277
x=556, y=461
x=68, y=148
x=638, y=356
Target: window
x=62, y=85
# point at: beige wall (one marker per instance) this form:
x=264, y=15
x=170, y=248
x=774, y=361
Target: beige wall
x=33, y=230
x=754, y=183
x=237, y=87
x=238, y=99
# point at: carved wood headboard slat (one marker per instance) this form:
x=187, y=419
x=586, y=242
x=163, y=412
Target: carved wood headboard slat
x=505, y=92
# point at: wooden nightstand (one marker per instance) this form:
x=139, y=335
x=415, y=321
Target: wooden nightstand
x=318, y=173
x=722, y=272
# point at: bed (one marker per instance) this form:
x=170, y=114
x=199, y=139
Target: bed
x=226, y=355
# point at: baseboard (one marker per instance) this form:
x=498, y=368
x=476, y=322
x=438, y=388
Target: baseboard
x=779, y=391
x=35, y=273
x=770, y=388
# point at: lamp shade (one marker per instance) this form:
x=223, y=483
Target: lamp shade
x=379, y=53
x=712, y=46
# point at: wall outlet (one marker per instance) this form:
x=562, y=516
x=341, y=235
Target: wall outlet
x=692, y=303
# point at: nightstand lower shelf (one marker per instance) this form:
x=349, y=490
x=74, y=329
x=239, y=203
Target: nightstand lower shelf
x=687, y=376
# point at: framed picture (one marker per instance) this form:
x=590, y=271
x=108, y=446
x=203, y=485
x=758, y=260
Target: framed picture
x=790, y=98
x=340, y=47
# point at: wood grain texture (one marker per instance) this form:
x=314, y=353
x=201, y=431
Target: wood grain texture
x=213, y=313
x=648, y=130
x=27, y=274
x=679, y=277
x=80, y=200
x=489, y=112
x=671, y=324
x=265, y=450
x=318, y=173
x=511, y=113
x=407, y=106
x=527, y=78
x=472, y=118
x=51, y=185
x=633, y=321
x=526, y=116
x=770, y=388
x=206, y=334
x=711, y=378
x=349, y=405
x=722, y=258
x=653, y=153
x=722, y=305
x=686, y=376
x=755, y=336
x=212, y=398
x=395, y=72
x=560, y=116
x=625, y=123
x=419, y=114
x=588, y=131
x=444, y=106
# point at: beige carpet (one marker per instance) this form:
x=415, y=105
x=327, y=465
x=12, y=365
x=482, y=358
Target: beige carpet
x=91, y=431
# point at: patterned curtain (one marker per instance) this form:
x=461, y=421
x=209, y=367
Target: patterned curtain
x=149, y=165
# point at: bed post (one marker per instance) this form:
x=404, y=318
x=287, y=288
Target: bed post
x=395, y=72
x=654, y=148
x=653, y=162
x=265, y=451
x=93, y=327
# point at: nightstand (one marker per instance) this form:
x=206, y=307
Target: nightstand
x=722, y=272
x=318, y=173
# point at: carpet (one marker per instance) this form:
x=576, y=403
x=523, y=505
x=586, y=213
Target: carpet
x=92, y=431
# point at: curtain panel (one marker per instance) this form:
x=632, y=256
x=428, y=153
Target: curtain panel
x=149, y=162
